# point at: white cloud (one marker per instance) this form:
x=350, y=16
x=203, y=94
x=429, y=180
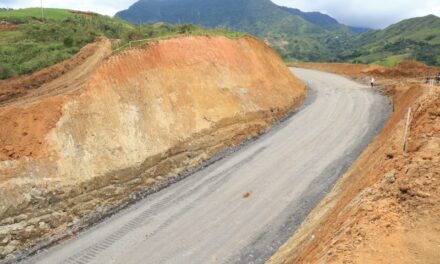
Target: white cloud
x=371, y=13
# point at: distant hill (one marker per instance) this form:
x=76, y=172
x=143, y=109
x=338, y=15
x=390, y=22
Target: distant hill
x=416, y=38
x=296, y=35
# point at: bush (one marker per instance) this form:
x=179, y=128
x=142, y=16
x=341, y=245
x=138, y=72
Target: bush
x=68, y=42
x=186, y=28
x=6, y=71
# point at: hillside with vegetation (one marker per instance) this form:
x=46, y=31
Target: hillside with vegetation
x=28, y=44
x=297, y=35
x=416, y=38
x=303, y=36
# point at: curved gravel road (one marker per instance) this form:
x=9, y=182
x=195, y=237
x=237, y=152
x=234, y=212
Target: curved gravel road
x=243, y=208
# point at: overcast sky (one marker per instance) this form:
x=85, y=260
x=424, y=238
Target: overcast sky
x=363, y=13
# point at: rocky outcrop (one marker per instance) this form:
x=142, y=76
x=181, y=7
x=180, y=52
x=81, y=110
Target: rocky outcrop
x=144, y=117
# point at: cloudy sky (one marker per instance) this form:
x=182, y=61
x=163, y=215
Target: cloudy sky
x=364, y=13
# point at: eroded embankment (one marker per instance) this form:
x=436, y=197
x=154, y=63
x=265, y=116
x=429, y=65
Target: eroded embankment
x=385, y=209
x=145, y=116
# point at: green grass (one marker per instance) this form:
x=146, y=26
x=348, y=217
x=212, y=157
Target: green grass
x=49, y=13
x=34, y=45
x=392, y=61
x=141, y=35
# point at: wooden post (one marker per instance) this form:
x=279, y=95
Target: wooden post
x=407, y=127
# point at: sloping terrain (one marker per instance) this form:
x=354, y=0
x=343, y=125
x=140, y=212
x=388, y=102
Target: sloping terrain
x=241, y=208
x=29, y=45
x=139, y=120
x=385, y=209
x=416, y=38
x=61, y=78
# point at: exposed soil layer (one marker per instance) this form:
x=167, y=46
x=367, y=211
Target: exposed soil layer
x=102, y=133
x=386, y=208
x=6, y=26
x=405, y=70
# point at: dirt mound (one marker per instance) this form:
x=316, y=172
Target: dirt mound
x=35, y=84
x=351, y=70
x=6, y=26
x=406, y=69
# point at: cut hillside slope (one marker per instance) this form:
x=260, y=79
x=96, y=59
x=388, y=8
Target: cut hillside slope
x=385, y=209
x=145, y=116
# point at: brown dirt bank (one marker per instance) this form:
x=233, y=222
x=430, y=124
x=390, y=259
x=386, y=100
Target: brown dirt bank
x=386, y=208
x=6, y=26
x=142, y=117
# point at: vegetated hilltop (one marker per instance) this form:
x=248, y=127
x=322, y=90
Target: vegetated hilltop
x=416, y=38
x=32, y=45
x=296, y=35
x=28, y=45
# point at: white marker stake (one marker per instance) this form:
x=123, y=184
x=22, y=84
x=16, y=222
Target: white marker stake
x=405, y=136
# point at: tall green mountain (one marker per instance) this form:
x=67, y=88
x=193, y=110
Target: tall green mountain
x=296, y=35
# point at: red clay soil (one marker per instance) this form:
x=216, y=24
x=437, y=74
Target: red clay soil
x=386, y=208
x=6, y=26
x=26, y=119
x=406, y=69
x=23, y=130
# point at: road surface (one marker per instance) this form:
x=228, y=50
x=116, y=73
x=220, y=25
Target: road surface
x=243, y=208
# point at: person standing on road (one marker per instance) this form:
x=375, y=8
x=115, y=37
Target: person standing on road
x=373, y=81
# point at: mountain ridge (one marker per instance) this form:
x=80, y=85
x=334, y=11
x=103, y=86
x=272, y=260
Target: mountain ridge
x=297, y=35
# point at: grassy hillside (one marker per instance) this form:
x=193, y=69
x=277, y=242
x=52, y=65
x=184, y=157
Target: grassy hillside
x=54, y=14
x=33, y=45
x=416, y=38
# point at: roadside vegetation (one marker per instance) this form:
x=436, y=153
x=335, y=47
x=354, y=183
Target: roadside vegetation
x=33, y=44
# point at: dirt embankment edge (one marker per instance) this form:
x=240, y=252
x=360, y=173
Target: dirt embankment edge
x=384, y=209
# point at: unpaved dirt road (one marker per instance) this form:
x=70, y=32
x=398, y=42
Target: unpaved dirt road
x=242, y=208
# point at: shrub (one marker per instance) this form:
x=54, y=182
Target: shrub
x=68, y=42
x=6, y=71
x=186, y=28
